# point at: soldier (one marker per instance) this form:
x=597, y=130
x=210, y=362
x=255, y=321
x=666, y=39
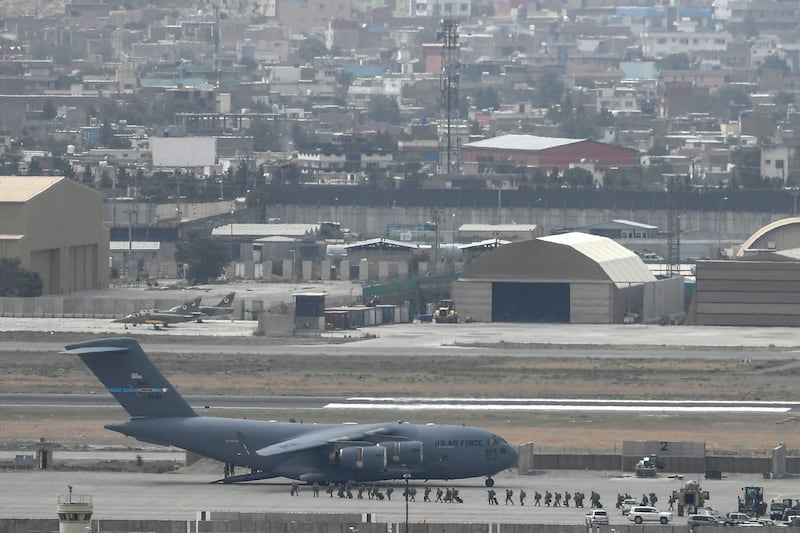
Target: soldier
x=454, y=496
x=293, y=491
x=315, y=489
x=578, y=499
x=548, y=497
x=389, y=491
x=567, y=496
x=439, y=494
x=595, y=498
x=340, y=491
x=427, y=496
x=361, y=488
x=620, y=499
x=491, y=495
x=645, y=501
x=671, y=502
x=537, y=499
x=509, y=496
x=522, y=496
x=330, y=489
x=413, y=494
x=653, y=499
x=557, y=503
x=448, y=496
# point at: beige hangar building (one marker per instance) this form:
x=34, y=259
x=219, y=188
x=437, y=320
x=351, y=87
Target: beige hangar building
x=760, y=287
x=567, y=278
x=55, y=227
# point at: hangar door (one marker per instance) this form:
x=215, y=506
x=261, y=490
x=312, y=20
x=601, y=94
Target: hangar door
x=530, y=302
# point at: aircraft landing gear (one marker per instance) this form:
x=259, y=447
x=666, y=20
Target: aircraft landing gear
x=489, y=482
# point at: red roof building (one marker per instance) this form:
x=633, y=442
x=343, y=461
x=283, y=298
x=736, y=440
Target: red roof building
x=547, y=152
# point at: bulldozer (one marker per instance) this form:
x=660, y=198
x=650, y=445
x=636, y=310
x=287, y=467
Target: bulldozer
x=753, y=502
x=446, y=312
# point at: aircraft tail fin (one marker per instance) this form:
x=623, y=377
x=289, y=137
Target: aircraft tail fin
x=131, y=377
x=227, y=301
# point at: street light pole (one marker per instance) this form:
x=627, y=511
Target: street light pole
x=719, y=227
x=292, y=252
x=406, y=476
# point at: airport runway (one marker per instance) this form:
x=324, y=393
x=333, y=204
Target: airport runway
x=82, y=401
x=33, y=494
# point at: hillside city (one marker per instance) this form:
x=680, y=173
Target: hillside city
x=349, y=92
x=213, y=114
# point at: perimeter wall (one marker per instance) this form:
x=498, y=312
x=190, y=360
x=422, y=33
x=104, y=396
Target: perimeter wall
x=305, y=523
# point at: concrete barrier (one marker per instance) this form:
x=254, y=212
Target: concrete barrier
x=228, y=522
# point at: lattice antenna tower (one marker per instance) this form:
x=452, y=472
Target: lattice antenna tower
x=449, y=83
x=673, y=228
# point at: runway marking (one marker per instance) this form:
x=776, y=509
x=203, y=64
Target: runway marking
x=542, y=404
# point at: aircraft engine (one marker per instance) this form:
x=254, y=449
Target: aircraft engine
x=371, y=458
x=408, y=452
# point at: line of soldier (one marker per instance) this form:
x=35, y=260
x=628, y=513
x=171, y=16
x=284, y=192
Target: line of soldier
x=374, y=492
x=550, y=498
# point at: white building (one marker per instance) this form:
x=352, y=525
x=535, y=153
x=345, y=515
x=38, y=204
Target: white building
x=440, y=8
x=663, y=43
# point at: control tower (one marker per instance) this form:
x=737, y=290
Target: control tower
x=74, y=512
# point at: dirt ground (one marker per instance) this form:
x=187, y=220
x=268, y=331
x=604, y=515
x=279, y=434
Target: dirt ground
x=501, y=376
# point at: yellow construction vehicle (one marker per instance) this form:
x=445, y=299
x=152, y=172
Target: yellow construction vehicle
x=446, y=312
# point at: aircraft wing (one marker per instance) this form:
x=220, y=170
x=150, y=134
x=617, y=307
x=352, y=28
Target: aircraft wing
x=346, y=435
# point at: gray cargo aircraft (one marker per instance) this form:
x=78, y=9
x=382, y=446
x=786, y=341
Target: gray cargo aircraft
x=306, y=452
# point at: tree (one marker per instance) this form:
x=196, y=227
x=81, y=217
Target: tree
x=49, y=111
x=205, y=258
x=17, y=281
x=579, y=178
x=673, y=62
x=265, y=139
x=311, y=48
x=486, y=98
x=383, y=109
x=549, y=89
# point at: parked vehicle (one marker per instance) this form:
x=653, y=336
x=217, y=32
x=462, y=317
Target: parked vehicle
x=627, y=503
x=641, y=514
x=697, y=520
x=734, y=519
x=776, y=510
x=596, y=517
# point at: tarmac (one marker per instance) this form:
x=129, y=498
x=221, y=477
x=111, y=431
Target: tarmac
x=33, y=494
x=180, y=496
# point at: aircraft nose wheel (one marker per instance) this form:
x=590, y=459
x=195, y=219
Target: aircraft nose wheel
x=489, y=482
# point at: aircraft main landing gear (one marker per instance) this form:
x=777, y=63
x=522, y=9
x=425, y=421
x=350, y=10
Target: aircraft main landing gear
x=489, y=482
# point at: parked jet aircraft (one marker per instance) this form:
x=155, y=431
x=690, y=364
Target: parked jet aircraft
x=185, y=312
x=224, y=307
x=306, y=452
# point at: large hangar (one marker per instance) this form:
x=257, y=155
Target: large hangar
x=760, y=288
x=568, y=278
x=55, y=227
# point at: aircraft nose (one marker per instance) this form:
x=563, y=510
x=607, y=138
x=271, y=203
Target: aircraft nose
x=512, y=455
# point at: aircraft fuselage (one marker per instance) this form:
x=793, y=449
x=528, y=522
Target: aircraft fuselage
x=448, y=452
